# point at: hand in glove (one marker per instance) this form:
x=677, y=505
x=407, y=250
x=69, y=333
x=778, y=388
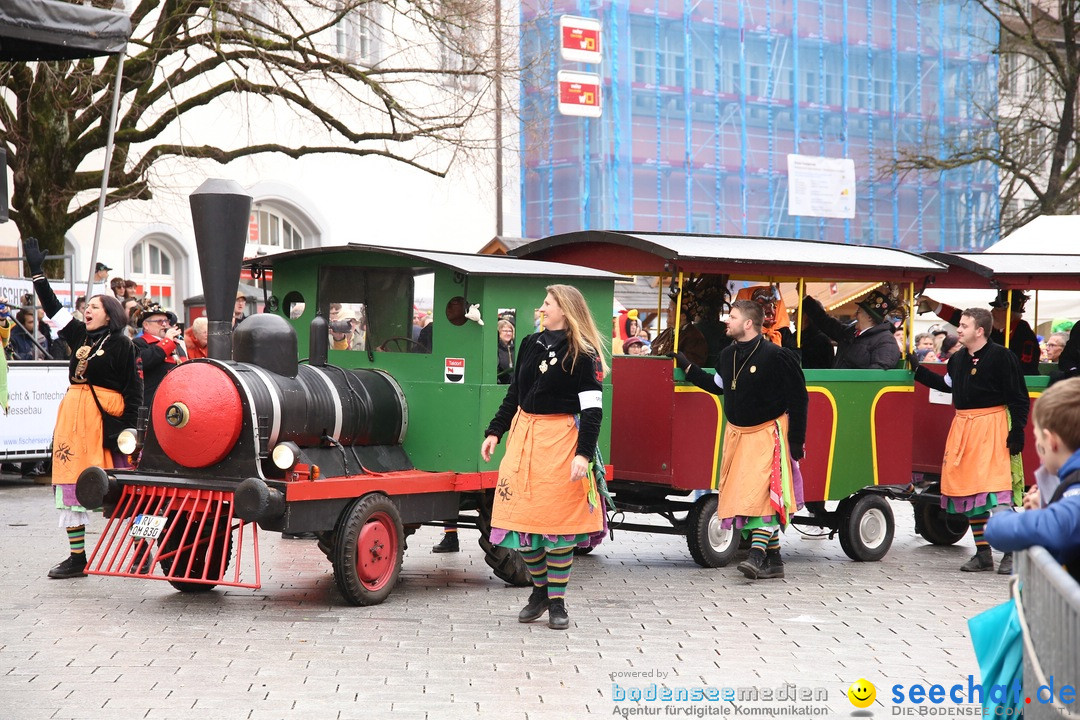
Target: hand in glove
x=681, y=361
x=912, y=361
x=35, y=258
x=1015, y=441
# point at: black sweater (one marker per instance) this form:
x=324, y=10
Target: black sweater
x=769, y=384
x=111, y=364
x=543, y=383
x=989, y=378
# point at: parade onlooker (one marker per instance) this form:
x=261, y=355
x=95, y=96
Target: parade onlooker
x=104, y=381
x=23, y=340
x=156, y=346
x=635, y=346
x=131, y=290
x=116, y=285
x=536, y=510
x=195, y=339
x=1056, y=526
x=1022, y=340
x=991, y=401
x=239, y=308
x=948, y=346
x=506, y=352
x=1054, y=345
x=6, y=323
x=867, y=344
x=765, y=404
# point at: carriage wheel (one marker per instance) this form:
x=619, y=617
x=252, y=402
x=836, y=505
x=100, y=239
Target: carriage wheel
x=710, y=545
x=866, y=527
x=937, y=526
x=507, y=564
x=367, y=550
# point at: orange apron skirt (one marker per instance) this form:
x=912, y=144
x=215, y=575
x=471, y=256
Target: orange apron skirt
x=976, y=456
x=747, y=468
x=534, y=493
x=78, y=440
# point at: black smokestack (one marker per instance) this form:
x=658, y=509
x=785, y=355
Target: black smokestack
x=219, y=211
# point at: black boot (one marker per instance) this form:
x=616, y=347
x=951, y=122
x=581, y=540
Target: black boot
x=73, y=567
x=774, y=566
x=981, y=561
x=557, y=617
x=753, y=566
x=538, y=604
x=449, y=543
x=1005, y=566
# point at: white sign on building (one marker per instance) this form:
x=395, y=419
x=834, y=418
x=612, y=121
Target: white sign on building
x=821, y=186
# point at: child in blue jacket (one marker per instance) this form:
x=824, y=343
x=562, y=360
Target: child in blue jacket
x=1055, y=525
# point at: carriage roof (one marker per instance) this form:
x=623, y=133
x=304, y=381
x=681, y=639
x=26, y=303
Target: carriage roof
x=657, y=253
x=1023, y=271
x=466, y=263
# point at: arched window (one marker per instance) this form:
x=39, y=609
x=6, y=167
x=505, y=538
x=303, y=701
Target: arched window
x=271, y=232
x=153, y=270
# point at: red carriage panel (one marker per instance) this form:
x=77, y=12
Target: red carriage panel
x=820, y=443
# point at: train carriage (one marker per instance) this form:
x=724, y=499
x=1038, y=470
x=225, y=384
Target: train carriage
x=666, y=433
x=933, y=413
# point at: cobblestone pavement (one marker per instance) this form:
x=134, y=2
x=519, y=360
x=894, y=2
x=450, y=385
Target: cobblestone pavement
x=447, y=644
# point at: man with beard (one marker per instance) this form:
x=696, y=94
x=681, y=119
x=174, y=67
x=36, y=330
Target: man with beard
x=765, y=405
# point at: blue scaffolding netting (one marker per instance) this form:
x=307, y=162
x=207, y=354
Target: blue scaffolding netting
x=704, y=101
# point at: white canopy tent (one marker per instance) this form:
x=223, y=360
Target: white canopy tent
x=1045, y=235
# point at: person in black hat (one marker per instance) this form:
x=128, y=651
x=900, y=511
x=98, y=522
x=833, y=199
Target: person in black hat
x=1022, y=339
x=869, y=343
x=155, y=345
x=101, y=272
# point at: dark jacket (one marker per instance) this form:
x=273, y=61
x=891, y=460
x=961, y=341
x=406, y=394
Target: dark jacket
x=156, y=359
x=874, y=348
x=111, y=364
x=548, y=381
x=506, y=363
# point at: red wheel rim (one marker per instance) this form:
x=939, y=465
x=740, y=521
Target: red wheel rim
x=376, y=551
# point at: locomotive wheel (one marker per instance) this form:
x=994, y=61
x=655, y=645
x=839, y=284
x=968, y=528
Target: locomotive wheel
x=218, y=562
x=711, y=546
x=367, y=550
x=937, y=526
x=866, y=527
x=507, y=564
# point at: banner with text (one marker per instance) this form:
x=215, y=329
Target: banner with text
x=821, y=186
x=35, y=390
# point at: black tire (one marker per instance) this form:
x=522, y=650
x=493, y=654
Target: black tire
x=937, y=526
x=507, y=564
x=710, y=545
x=866, y=527
x=217, y=558
x=367, y=550
x=583, y=550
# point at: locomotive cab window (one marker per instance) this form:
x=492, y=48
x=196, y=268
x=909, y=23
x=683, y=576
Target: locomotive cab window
x=376, y=309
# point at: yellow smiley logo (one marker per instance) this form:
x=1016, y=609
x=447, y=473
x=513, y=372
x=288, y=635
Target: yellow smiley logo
x=861, y=693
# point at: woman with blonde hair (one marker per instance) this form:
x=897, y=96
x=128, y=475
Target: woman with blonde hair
x=546, y=498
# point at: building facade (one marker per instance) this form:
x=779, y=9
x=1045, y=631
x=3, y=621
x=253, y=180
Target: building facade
x=704, y=101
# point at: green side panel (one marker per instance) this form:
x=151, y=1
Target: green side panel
x=854, y=392
x=446, y=420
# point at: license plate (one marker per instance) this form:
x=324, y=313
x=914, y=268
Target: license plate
x=148, y=526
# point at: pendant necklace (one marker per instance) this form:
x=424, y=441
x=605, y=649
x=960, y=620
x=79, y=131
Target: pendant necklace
x=735, y=374
x=83, y=356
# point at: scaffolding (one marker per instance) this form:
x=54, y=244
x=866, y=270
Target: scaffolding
x=704, y=100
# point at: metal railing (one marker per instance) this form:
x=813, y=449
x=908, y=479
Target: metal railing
x=1050, y=619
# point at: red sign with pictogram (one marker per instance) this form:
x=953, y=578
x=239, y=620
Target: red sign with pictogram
x=580, y=39
x=455, y=370
x=580, y=94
